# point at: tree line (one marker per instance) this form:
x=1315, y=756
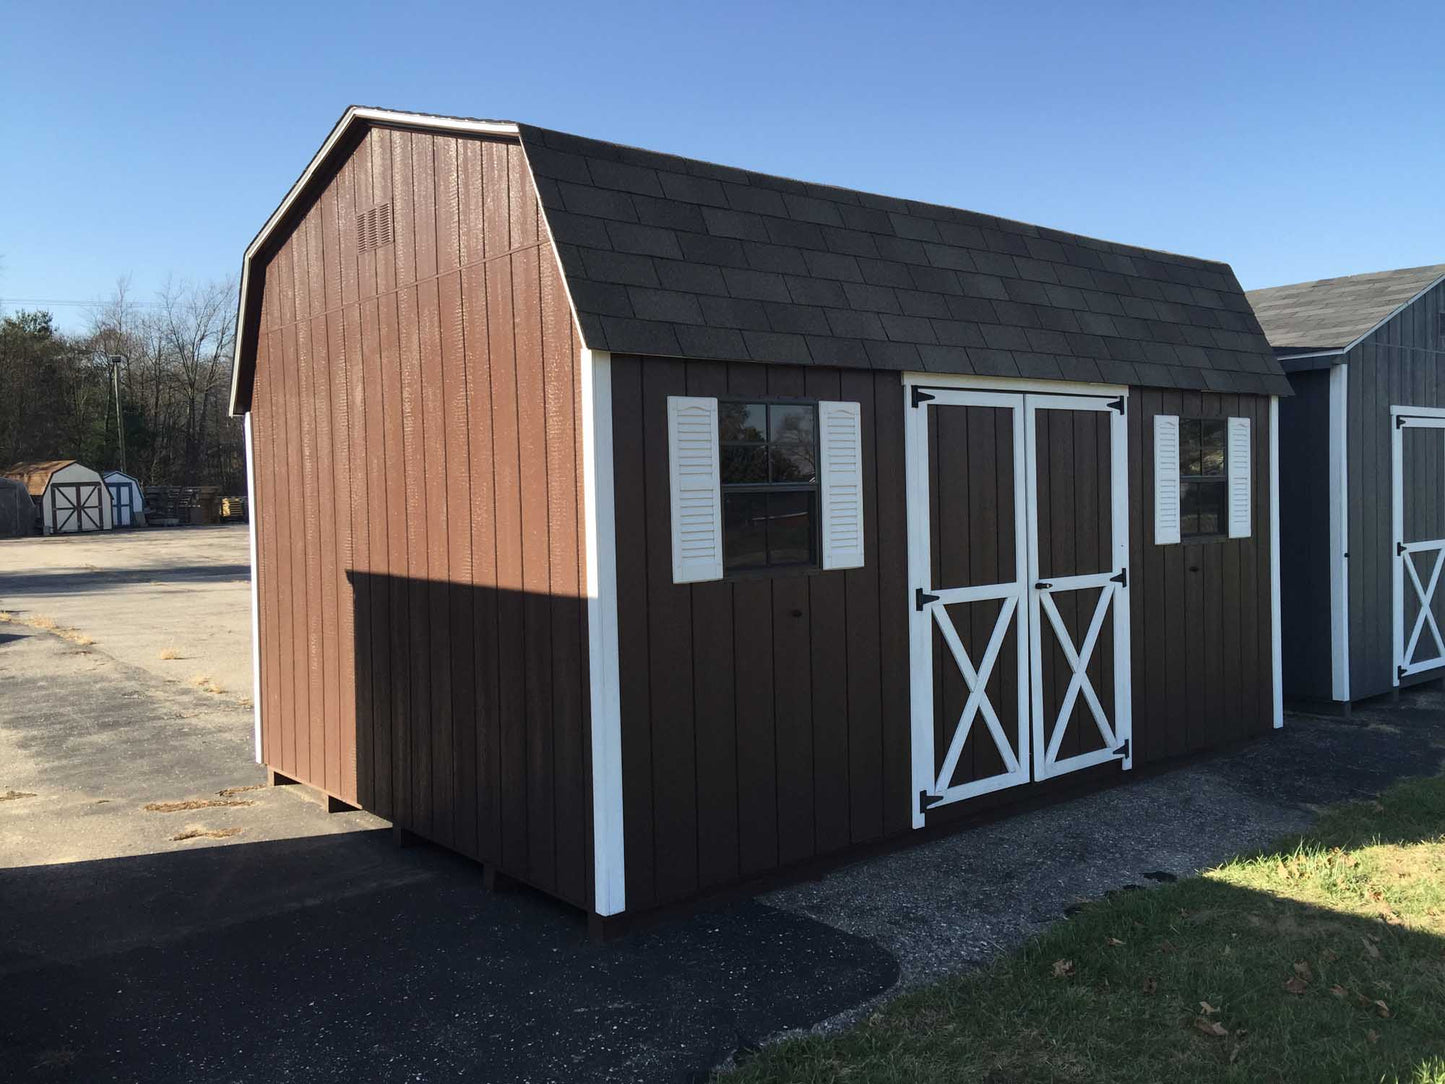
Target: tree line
x=174, y=354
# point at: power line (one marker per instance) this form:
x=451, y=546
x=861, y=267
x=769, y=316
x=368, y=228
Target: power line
x=64, y=301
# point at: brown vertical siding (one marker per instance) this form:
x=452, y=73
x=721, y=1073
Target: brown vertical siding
x=416, y=421
x=765, y=719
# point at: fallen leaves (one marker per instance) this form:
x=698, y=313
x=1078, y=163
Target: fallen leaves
x=1212, y=1028
x=1207, y=1009
x=1296, y=985
x=1302, y=969
x=1338, y=990
x=1150, y=986
x=1382, y=1008
x=1113, y=942
x=1063, y=969
x=1370, y=950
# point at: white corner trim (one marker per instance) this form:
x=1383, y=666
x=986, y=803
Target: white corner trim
x=255, y=590
x=1276, y=647
x=353, y=116
x=609, y=867
x=1339, y=488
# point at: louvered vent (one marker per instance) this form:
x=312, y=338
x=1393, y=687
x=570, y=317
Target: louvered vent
x=373, y=228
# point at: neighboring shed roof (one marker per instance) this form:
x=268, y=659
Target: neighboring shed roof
x=36, y=476
x=1331, y=314
x=676, y=257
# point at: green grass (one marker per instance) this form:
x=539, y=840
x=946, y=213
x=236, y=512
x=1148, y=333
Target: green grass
x=1320, y=960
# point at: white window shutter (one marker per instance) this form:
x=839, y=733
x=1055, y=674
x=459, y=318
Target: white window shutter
x=1166, y=479
x=693, y=473
x=1239, y=471
x=840, y=443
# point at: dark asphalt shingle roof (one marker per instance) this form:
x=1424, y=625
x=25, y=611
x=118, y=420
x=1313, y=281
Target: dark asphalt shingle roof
x=1330, y=314
x=677, y=257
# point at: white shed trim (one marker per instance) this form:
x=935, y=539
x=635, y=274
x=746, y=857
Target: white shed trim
x=255, y=596
x=1276, y=646
x=1339, y=489
x=1166, y=479
x=1240, y=469
x=840, y=446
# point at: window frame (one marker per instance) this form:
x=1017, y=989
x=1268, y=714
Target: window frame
x=1221, y=480
x=815, y=487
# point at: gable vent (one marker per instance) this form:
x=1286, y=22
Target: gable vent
x=373, y=228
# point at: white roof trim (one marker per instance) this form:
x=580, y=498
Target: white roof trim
x=356, y=114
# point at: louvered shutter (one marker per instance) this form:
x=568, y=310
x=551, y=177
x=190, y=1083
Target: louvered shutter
x=1166, y=479
x=692, y=462
x=840, y=444
x=1239, y=471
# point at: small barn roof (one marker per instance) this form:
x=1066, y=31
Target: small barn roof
x=1333, y=314
x=36, y=476
x=677, y=257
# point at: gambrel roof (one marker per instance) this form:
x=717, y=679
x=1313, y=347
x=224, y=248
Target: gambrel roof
x=676, y=257
x=35, y=476
x=1333, y=314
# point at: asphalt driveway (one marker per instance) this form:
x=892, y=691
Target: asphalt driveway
x=235, y=932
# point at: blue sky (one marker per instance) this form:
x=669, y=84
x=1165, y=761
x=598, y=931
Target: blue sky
x=1295, y=141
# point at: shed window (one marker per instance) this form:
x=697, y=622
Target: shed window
x=769, y=476
x=1203, y=477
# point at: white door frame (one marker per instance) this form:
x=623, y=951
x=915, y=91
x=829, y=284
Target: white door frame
x=1023, y=608
x=1403, y=564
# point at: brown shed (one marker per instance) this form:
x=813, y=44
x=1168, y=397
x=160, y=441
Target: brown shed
x=640, y=526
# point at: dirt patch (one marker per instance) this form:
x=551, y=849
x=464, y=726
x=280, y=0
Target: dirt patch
x=15, y=795
x=195, y=803
x=232, y=791
x=205, y=833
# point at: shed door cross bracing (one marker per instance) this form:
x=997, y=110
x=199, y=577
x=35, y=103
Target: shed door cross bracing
x=76, y=506
x=120, y=500
x=1417, y=505
x=1018, y=536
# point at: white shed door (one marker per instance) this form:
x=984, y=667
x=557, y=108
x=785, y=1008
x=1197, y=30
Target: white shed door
x=1418, y=520
x=1019, y=636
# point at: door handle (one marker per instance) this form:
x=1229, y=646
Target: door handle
x=1042, y=586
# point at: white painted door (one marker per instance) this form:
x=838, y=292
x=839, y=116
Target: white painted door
x=1078, y=507
x=1417, y=462
x=1008, y=685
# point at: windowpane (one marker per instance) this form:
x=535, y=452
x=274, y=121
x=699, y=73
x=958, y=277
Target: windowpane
x=744, y=464
x=793, y=444
x=1189, y=447
x=1211, y=448
x=745, y=530
x=1202, y=504
x=742, y=421
x=790, y=528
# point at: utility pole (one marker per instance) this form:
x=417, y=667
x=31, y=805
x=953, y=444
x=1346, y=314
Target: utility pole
x=116, y=361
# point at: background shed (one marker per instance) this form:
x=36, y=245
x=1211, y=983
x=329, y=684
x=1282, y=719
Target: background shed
x=72, y=498
x=17, y=509
x=126, y=499
x=1363, y=515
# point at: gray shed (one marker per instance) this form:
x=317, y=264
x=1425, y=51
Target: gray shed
x=17, y=509
x=1362, y=454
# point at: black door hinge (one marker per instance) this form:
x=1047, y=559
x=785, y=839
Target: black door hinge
x=1399, y=421
x=1399, y=671
x=925, y=800
x=922, y=598
x=920, y=396
x=1121, y=578
x=1043, y=585
x=1118, y=404
x=1399, y=549
x=1123, y=750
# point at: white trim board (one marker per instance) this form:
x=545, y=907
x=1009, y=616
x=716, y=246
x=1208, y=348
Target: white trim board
x=603, y=672
x=1014, y=384
x=255, y=590
x=1339, y=539
x=1276, y=645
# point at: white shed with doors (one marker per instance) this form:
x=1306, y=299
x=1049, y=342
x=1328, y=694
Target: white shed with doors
x=72, y=498
x=126, y=499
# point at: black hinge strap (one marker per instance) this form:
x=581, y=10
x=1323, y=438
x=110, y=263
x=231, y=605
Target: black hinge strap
x=1121, y=578
x=1118, y=404
x=922, y=598
x=1122, y=750
x=1399, y=549
x=920, y=396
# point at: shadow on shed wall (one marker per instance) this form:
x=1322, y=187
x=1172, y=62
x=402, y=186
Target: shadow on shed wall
x=471, y=723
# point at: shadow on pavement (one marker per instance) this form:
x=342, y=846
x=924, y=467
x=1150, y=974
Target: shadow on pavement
x=341, y=958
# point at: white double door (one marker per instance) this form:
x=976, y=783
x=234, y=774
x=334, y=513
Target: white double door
x=1018, y=550
x=1418, y=530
